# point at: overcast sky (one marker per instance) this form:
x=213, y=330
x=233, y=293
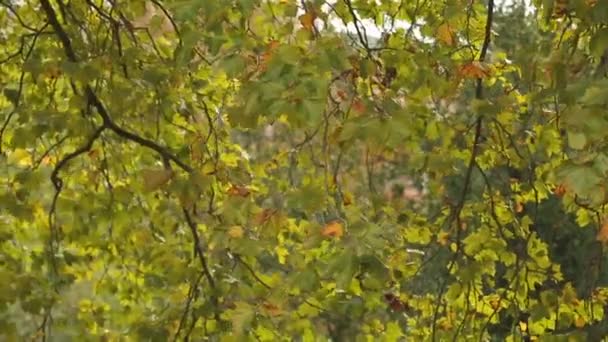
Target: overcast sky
x=375, y=31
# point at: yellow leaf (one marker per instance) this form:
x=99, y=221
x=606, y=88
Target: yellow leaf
x=154, y=179
x=333, y=229
x=579, y=322
x=47, y=160
x=282, y=254
x=307, y=20
x=20, y=157
x=443, y=238
x=445, y=324
x=347, y=198
x=236, y=232
x=445, y=34
x=523, y=326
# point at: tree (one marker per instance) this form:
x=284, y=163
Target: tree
x=227, y=170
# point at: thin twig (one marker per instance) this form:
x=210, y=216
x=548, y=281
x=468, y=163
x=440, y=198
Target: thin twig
x=96, y=102
x=455, y=216
x=198, y=247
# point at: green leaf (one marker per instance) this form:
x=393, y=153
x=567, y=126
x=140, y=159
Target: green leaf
x=155, y=178
x=599, y=43
x=12, y=95
x=577, y=140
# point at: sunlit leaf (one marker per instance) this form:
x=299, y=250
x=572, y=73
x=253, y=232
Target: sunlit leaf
x=446, y=35
x=333, y=229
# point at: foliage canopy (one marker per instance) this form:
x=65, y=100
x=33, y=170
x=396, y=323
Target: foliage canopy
x=242, y=170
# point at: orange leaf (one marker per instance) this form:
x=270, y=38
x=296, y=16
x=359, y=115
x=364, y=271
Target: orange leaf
x=358, y=106
x=236, y=232
x=495, y=303
x=273, y=45
x=560, y=190
x=474, y=69
x=395, y=303
x=445, y=34
x=93, y=154
x=237, y=190
x=602, y=234
x=333, y=229
x=263, y=216
x=272, y=309
x=307, y=20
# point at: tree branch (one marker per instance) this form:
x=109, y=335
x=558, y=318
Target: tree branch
x=198, y=247
x=96, y=102
x=455, y=216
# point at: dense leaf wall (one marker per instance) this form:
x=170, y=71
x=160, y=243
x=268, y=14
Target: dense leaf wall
x=237, y=170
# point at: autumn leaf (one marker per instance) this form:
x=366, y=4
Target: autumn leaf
x=523, y=326
x=560, y=190
x=263, y=216
x=333, y=229
x=358, y=106
x=341, y=95
x=273, y=45
x=474, y=69
x=561, y=8
x=307, y=20
x=445, y=324
x=347, y=199
x=281, y=125
x=495, y=302
x=47, y=160
x=236, y=232
x=445, y=34
x=240, y=191
x=52, y=71
x=443, y=238
x=395, y=303
x=93, y=154
x=271, y=309
x=155, y=178
x=602, y=234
